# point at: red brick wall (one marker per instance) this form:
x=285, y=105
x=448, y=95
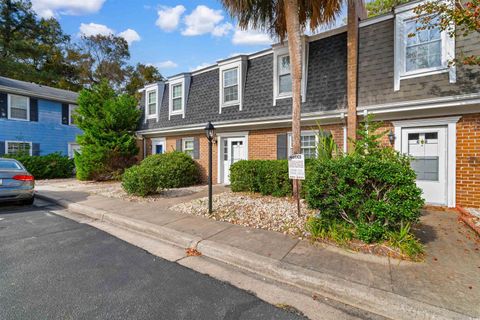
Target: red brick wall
x=468, y=161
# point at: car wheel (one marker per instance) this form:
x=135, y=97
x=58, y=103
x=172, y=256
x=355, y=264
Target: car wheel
x=28, y=201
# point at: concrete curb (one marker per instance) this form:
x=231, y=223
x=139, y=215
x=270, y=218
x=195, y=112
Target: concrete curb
x=374, y=300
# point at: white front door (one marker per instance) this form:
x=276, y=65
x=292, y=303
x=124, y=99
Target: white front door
x=428, y=148
x=233, y=150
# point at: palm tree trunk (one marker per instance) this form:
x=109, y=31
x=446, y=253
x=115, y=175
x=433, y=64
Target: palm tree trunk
x=295, y=52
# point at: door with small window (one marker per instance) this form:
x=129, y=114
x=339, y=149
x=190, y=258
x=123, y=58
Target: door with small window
x=428, y=149
x=233, y=151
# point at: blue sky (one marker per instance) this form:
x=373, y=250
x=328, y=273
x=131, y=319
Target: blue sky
x=174, y=35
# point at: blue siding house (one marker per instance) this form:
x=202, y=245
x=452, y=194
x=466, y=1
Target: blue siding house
x=36, y=118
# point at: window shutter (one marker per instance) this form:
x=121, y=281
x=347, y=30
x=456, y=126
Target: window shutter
x=3, y=105
x=179, y=145
x=65, y=113
x=33, y=109
x=196, y=148
x=282, y=146
x=35, y=149
x=2, y=148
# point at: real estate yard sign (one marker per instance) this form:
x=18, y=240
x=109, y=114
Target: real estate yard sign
x=296, y=167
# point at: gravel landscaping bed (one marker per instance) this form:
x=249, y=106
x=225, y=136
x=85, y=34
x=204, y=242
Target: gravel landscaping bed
x=252, y=210
x=113, y=189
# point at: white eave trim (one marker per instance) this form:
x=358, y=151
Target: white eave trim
x=426, y=122
x=33, y=94
x=375, y=20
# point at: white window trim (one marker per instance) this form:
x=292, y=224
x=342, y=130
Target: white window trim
x=448, y=51
x=155, y=115
x=237, y=102
x=156, y=142
x=303, y=133
x=71, y=154
x=71, y=108
x=12, y=141
x=184, y=142
x=10, y=105
x=282, y=50
x=451, y=123
x=170, y=98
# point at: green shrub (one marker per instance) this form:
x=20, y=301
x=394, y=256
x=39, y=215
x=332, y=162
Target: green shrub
x=269, y=177
x=51, y=166
x=140, y=181
x=160, y=171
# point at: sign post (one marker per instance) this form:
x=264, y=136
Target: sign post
x=296, y=171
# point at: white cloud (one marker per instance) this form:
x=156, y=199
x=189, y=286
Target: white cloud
x=93, y=29
x=201, y=66
x=169, y=17
x=130, y=36
x=51, y=8
x=203, y=20
x=168, y=64
x=250, y=37
x=222, y=30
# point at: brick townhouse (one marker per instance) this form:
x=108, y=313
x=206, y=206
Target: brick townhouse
x=370, y=66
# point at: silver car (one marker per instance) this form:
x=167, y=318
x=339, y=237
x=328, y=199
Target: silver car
x=16, y=184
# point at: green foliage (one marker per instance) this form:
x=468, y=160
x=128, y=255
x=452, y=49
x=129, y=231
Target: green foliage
x=338, y=231
x=269, y=177
x=51, y=166
x=108, y=141
x=372, y=189
x=406, y=242
x=460, y=19
x=378, y=7
x=326, y=147
x=160, y=171
x=140, y=180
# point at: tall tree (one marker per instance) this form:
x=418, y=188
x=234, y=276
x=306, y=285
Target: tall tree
x=378, y=7
x=139, y=76
x=287, y=19
x=33, y=49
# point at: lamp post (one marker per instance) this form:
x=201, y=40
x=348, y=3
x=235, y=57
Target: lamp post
x=210, y=133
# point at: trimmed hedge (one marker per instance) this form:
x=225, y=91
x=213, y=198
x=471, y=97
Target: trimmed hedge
x=269, y=177
x=51, y=166
x=160, y=171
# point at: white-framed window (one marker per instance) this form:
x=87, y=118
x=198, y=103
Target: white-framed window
x=151, y=103
x=308, y=144
x=188, y=146
x=420, y=50
x=71, y=112
x=16, y=147
x=177, y=97
x=230, y=86
x=282, y=77
x=232, y=82
x=18, y=107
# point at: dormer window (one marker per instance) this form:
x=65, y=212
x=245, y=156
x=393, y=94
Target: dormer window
x=420, y=49
x=232, y=81
x=230, y=86
x=177, y=98
x=151, y=103
x=284, y=76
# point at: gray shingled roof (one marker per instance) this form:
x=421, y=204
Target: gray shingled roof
x=22, y=87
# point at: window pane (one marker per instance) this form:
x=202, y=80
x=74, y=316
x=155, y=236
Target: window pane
x=426, y=168
x=424, y=49
x=285, y=84
x=284, y=65
x=152, y=97
x=18, y=147
x=188, y=145
x=177, y=104
x=435, y=54
x=230, y=94
x=151, y=108
x=230, y=77
x=18, y=107
x=177, y=91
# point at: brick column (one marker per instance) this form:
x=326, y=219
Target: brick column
x=356, y=11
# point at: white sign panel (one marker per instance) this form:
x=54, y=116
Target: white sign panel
x=296, y=166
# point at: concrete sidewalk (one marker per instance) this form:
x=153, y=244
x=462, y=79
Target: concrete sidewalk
x=445, y=286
